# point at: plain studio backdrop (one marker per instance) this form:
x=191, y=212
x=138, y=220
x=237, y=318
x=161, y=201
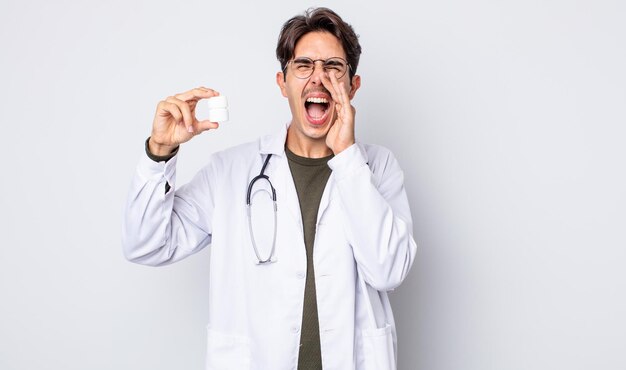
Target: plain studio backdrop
x=508, y=118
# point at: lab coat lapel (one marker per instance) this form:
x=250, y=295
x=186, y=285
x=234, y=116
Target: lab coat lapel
x=280, y=174
x=286, y=195
x=329, y=191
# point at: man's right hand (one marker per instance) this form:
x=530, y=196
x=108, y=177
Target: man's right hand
x=175, y=120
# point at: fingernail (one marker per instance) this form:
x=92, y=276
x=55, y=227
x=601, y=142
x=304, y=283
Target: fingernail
x=190, y=129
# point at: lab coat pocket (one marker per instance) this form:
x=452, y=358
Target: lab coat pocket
x=378, y=349
x=225, y=351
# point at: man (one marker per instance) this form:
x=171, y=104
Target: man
x=311, y=292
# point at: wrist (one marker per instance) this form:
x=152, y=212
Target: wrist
x=343, y=146
x=160, y=149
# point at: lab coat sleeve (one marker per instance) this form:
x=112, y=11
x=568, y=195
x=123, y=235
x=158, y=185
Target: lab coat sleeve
x=160, y=228
x=376, y=214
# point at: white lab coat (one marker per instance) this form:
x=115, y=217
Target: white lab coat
x=255, y=311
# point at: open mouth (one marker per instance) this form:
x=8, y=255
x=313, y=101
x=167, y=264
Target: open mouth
x=317, y=109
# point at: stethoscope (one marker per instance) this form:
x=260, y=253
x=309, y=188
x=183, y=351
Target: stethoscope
x=261, y=176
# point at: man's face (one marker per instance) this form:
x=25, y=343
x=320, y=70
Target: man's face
x=312, y=108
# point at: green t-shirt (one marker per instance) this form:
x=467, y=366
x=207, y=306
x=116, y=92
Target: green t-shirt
x=310, y=176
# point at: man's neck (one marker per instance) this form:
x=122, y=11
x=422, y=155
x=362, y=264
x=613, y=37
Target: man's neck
x=309, y=148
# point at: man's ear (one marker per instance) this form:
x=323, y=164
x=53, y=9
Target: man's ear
x=280, y=80
x=354, y=86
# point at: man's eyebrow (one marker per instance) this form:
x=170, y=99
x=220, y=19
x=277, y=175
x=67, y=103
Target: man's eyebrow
x=302, y=60
x=334, y=62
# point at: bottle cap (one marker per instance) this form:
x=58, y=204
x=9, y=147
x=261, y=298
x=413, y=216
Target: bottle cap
x=219, y=101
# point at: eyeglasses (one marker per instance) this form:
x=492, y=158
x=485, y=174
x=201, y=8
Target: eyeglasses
x=303, y=67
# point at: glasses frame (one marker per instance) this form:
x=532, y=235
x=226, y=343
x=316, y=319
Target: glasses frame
x=314, y=61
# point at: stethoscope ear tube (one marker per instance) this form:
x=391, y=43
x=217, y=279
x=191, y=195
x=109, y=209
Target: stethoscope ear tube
x=261, y=175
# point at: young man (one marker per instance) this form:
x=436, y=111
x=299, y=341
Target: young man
x=312, y=294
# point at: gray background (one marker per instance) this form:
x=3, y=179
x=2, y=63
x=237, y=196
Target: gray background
x=508, y=118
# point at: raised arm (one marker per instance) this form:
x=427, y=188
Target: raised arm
x=376, y=214
x=162, y=224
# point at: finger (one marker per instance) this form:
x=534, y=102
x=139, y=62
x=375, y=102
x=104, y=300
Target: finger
x=165, y=109
x=329, y=86
x=197, y=94
x=207, y=89
x=206, y=125
x=184, y=109
x=341, y=89
x=336, y=95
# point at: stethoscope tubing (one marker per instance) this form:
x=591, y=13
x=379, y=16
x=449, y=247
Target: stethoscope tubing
x=260, y=176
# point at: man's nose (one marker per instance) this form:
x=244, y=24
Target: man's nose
x=318, y=72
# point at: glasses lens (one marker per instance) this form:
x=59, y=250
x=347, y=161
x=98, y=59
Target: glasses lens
x=336, y=66
x=304, y=67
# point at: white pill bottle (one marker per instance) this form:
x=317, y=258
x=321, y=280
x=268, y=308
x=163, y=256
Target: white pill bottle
x=218, y=109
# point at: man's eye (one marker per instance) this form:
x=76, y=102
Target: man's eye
x=303, y=66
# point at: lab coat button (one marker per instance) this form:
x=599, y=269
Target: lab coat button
x=301, y=275
x=295, y=329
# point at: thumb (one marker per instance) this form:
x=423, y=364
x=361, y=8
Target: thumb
x=207, y=125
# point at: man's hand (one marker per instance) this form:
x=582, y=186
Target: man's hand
x=175, y=120
x=341, y=133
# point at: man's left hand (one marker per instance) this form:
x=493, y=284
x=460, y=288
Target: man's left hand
x=341, y=133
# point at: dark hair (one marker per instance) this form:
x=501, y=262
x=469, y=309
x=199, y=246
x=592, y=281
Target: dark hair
x=318, y=19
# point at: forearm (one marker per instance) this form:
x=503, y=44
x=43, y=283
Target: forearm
x=159, y=226
x=377, y=217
